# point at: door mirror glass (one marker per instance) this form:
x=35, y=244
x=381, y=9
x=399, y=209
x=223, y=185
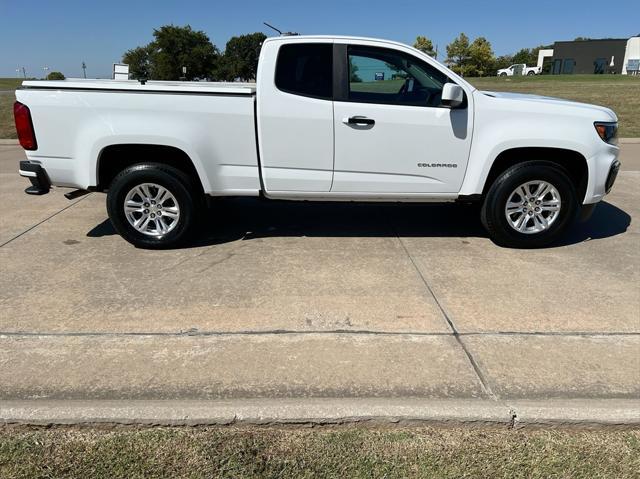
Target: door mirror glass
x=452, y=95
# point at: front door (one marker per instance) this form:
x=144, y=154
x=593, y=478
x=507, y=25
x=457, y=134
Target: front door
x=392, y=134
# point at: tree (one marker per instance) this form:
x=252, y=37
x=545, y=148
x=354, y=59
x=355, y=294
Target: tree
x=481, y=59
x=353, y=72
x=425, y=45
x=139, y=61
x=458, y=54
x=240, y=59
x=177, y=47
x=503, y=61
x=172, y=49
x=55, y=76
x=526, y=55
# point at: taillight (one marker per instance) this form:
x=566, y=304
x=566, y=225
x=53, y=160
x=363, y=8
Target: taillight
x=24, y=126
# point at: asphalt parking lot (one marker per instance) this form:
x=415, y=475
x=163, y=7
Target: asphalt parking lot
x=288, y=300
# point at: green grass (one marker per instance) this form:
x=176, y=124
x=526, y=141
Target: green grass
x=621, y=93
x=7, y=127
x=10, y=83
x=382, y=86
x=288, y=452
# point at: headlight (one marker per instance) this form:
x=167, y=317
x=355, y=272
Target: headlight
x=608, y=131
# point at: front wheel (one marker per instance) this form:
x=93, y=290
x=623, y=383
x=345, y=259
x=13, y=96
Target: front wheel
x=530, y=73
x=529, y=205
x=152, y=206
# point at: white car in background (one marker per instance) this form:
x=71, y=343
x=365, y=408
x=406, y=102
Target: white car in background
x=519, y=69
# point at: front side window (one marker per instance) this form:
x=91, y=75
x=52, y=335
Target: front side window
x=306, y=69
x=380, y=75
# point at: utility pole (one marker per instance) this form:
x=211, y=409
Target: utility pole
x=84, y=69
x=24, y=72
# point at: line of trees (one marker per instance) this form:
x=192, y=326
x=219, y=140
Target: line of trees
x=174, y=48
x=476, y=58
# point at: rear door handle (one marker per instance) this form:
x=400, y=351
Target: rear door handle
x=358, y=120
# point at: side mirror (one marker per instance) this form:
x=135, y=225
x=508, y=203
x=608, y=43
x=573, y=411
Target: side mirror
x=452, y=95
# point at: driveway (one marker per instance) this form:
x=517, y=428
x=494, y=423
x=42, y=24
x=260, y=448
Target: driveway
x=316, y=300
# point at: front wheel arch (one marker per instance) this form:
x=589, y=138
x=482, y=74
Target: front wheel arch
x=573, y=162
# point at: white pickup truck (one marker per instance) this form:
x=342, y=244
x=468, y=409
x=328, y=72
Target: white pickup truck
x=519, y=69
x=331, y=119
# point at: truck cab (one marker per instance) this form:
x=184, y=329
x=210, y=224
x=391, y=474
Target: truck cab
x=359, y=119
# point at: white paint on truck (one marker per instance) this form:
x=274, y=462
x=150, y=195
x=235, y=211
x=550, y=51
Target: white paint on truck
x=321, y=122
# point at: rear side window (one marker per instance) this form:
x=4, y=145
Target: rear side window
x=306, y=69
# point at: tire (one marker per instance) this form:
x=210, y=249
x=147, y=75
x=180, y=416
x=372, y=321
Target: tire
x=503, y=74
x=530, y=73
x=169, y=222
x=521, y=227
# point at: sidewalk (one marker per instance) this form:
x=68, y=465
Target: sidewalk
x=286, y=312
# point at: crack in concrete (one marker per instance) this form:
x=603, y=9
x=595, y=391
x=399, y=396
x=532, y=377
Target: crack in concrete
x=474, y=364
x=44, y=220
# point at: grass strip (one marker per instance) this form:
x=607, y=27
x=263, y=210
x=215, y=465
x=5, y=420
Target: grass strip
x=347, y=451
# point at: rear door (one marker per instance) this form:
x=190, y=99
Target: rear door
x=295, y=115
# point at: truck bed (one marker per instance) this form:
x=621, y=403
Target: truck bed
x=213, y=124
x=219, y=88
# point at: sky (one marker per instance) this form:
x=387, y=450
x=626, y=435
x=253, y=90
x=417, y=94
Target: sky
x=61, y=34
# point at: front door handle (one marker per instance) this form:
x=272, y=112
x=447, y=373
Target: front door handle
x=358, y=120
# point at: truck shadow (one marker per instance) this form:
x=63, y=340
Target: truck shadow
x=231, y=219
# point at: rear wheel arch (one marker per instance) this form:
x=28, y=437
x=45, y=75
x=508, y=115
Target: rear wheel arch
x=572, y=162
x=115, y=158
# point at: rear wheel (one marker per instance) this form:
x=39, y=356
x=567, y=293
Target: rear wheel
x=152, y=205
x=530, y=73
x=529, y=205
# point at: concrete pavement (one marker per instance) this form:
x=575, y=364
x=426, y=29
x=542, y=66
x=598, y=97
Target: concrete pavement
x=294, y=302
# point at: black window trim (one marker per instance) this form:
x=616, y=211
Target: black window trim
x=292, y=92
x=341, y=77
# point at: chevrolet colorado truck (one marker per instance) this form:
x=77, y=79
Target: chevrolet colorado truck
x=329, y=119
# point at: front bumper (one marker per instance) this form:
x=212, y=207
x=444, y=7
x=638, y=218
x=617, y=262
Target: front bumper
x=40, y=183
x=587, y=209
x=611, y=177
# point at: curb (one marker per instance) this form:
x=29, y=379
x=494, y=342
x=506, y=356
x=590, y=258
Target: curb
x=9, y=142
x=318, y=411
